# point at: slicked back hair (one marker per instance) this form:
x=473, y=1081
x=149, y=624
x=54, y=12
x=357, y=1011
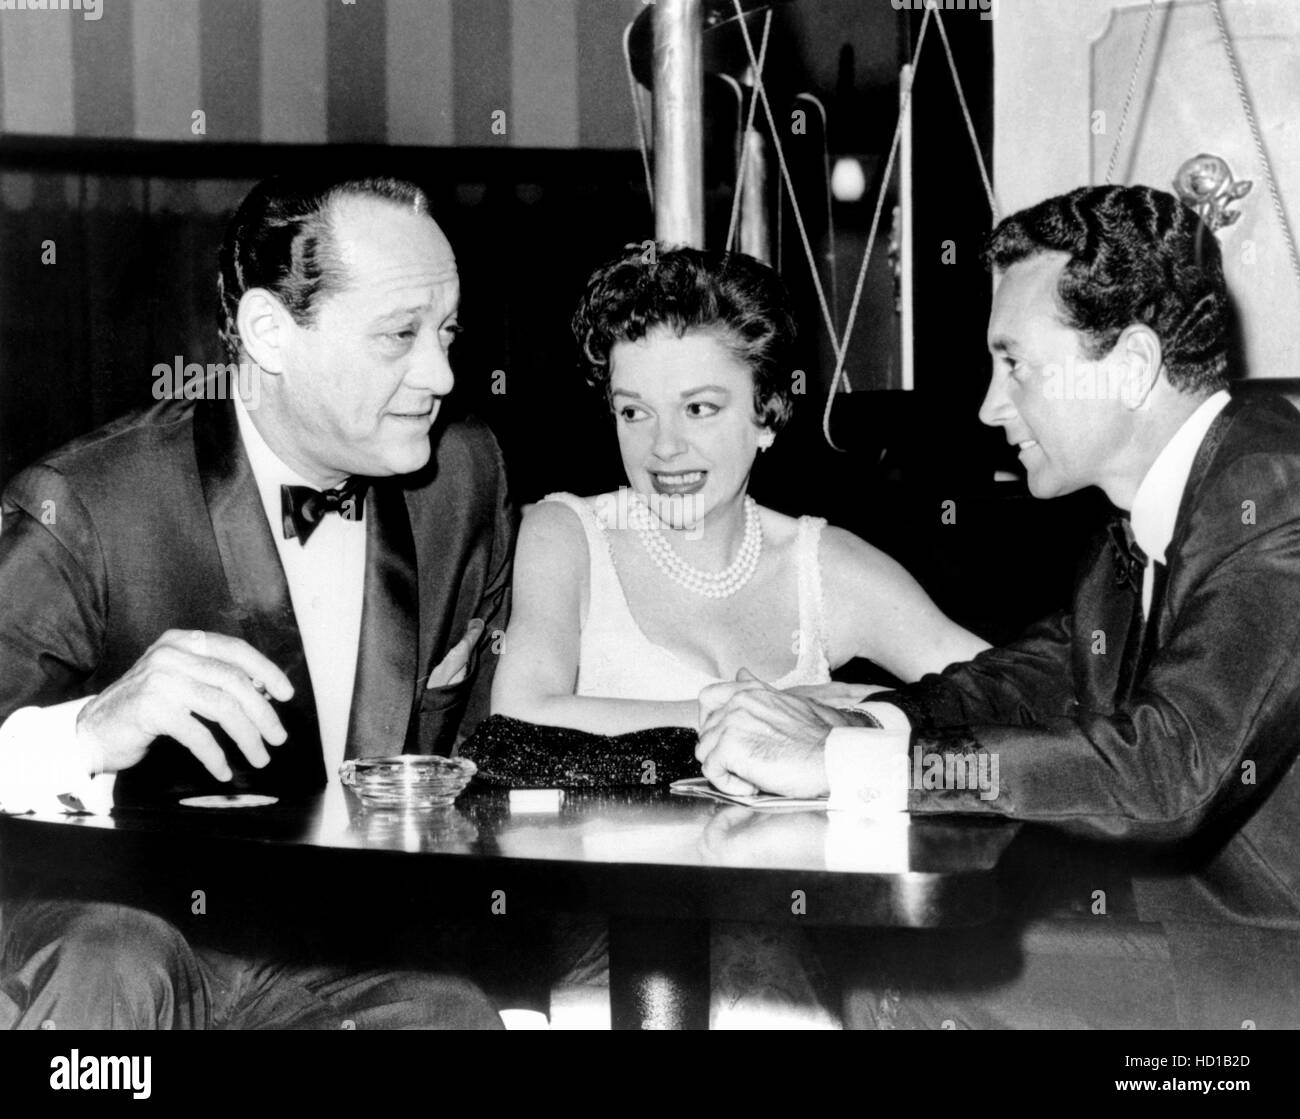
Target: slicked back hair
x=282, y=239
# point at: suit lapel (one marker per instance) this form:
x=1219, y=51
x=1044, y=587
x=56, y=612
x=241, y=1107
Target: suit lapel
x=259, y=591
x=441, y=547
x=1200, y=469
x=1147, y=633
x=1113, y=610
x=384, y=691
x=1182, y=524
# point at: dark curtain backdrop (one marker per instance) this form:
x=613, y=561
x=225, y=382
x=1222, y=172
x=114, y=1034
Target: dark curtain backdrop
x=133, y=284
x=127, y=288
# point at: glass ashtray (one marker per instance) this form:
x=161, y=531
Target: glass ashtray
x=408, y=780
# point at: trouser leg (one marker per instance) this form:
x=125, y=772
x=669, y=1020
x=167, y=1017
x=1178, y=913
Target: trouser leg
x=277, y=993
x=100, y=965
x=95, y=965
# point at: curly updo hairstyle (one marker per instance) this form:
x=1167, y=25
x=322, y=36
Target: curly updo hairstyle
x=1137, y=255
x=281, y=239
x=732, y=295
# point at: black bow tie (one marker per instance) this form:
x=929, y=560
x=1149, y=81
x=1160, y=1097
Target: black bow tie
x=1130, y=560
x=302, y=507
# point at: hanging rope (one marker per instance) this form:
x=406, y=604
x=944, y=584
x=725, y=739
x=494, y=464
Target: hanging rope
x=1132, y=89
x=841, y=344
x=789, y=183
x=1258, y=137
x=965, y=112
x=756, y=60
x=843, y=349
x=749, y=124
x=642, y=142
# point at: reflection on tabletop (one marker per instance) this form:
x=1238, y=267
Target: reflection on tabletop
x=613, y=826
x=649, y=826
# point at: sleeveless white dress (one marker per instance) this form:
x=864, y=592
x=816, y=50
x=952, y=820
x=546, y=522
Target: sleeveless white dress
x=763, y=977
x=616, y=659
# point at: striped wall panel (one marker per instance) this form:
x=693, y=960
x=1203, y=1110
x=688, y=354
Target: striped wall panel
x=544, y=74
x=424, y=72
x=103, y=95
x=421, y=73
x=166, y=68
x=230, y=68
x=294, y=52
x=38, y=93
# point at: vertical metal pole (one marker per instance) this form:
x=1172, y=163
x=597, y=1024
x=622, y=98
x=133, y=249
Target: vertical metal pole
x=679, y=122
x=755, y=235
x=905, y=248
x=658, y=974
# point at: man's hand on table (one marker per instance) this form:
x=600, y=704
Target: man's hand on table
x=184, y=675
x=754, y=737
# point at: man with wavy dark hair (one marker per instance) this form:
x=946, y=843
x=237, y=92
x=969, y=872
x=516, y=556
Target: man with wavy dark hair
x=1156, y=718
x=234, y=595
x=1136, y=256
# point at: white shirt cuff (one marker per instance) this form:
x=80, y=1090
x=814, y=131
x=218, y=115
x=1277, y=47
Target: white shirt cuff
x=41, y=759
x=867, y=767
x=887, y=715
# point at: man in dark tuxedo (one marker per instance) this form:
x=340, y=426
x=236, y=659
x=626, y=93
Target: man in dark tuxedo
x=235, y=595
x=1155, y=721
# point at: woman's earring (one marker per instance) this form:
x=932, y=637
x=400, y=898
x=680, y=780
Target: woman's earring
x=766, y=440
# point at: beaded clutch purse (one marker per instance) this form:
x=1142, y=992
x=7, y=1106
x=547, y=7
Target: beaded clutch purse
x=520, y=755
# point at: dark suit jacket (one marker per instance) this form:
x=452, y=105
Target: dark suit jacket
x=1196, y=768
x=154, y=522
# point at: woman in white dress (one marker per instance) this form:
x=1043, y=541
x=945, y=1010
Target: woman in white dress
x=627, y=605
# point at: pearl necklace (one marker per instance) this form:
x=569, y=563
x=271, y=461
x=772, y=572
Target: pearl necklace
x=708, y=584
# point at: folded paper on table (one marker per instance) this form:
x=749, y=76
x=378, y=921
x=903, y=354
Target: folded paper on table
x=701, y=787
